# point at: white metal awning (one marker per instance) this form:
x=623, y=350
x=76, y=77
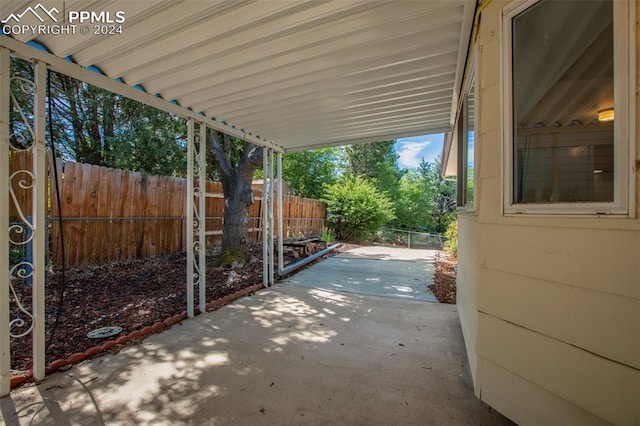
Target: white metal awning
x=297, y=74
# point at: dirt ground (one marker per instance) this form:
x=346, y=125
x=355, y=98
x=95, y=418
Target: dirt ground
x=129, y=295
x=444, y=278
x=141, y=293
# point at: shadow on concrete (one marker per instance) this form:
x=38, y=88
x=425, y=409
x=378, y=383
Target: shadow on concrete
x=287, y=355
x=374, y=271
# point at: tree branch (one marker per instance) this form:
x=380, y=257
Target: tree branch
x=228, y=144
x=221, y=156
x=252, y=155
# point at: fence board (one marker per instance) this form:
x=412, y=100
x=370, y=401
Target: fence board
x=111, y=215
x=20, y=161
x=115, y=210
x=74, y=190
x=56, y=187
x=92, y=180
x=126, y=201
x=102, y=239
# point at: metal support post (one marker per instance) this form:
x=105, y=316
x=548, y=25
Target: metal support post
x=265, y=219
x=29, y=251
x=189, y=214
x=271, y=222
x=39, y=211
x=280, y=219
x=202, y=203
x=5, y=339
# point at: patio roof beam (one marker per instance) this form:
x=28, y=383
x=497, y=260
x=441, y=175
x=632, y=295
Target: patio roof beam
x=83, y=74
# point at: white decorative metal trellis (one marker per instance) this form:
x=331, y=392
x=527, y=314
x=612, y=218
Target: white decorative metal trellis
x=30, y=229
x=26, y=229
x=196, y=215
x=268, y=274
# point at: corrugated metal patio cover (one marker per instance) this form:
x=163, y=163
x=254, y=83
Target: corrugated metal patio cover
x=302, y=74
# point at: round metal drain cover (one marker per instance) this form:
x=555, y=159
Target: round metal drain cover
x=101, y=333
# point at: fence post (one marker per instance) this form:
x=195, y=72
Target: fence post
x=409, y=240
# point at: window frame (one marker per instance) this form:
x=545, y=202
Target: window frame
x=463, y=204
x=624, y=124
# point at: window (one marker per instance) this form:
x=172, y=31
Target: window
x=567, y=107
x=466, y=159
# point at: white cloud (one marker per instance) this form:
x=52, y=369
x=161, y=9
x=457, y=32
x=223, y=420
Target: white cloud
x=409, y=153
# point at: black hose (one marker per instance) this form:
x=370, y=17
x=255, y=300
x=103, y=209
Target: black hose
x=62, y=285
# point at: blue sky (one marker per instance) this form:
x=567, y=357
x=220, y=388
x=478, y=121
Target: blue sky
x=412, y=150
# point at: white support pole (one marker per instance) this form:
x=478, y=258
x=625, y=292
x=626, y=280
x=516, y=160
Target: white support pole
x=280, y=218
x=39, y=211
x=265, y=219
x=5, y=340
x=271, y=223
x=189, y=215
x=202, y=204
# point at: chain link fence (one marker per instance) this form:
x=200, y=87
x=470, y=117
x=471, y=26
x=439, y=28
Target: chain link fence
x=410, y=239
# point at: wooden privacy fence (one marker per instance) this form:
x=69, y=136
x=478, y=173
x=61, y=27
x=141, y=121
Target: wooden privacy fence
x=111, y=215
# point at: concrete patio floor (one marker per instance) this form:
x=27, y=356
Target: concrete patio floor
x=404, y=273
x=287, y=355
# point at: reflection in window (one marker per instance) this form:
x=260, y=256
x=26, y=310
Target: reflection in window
x=562, y=82
x=466, y=136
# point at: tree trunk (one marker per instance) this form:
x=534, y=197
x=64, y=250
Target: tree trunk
x=235, y=243
x=236, y=184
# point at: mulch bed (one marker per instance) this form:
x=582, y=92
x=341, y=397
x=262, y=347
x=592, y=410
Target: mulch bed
x=145, y=294
x=444, y=278
x=131, y=295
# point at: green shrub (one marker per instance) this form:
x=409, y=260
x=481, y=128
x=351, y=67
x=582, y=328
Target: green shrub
x=327, y=236
x=356, y=208
x=452, y=237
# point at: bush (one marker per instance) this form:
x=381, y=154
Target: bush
x=327, y=236
x=452, y=237
x=356, y=208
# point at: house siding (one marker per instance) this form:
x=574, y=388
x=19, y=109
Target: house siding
x=467, y=297
x=549, y=306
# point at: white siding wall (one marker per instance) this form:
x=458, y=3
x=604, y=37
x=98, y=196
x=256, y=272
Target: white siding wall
x=550, y=307
x=467, y=296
